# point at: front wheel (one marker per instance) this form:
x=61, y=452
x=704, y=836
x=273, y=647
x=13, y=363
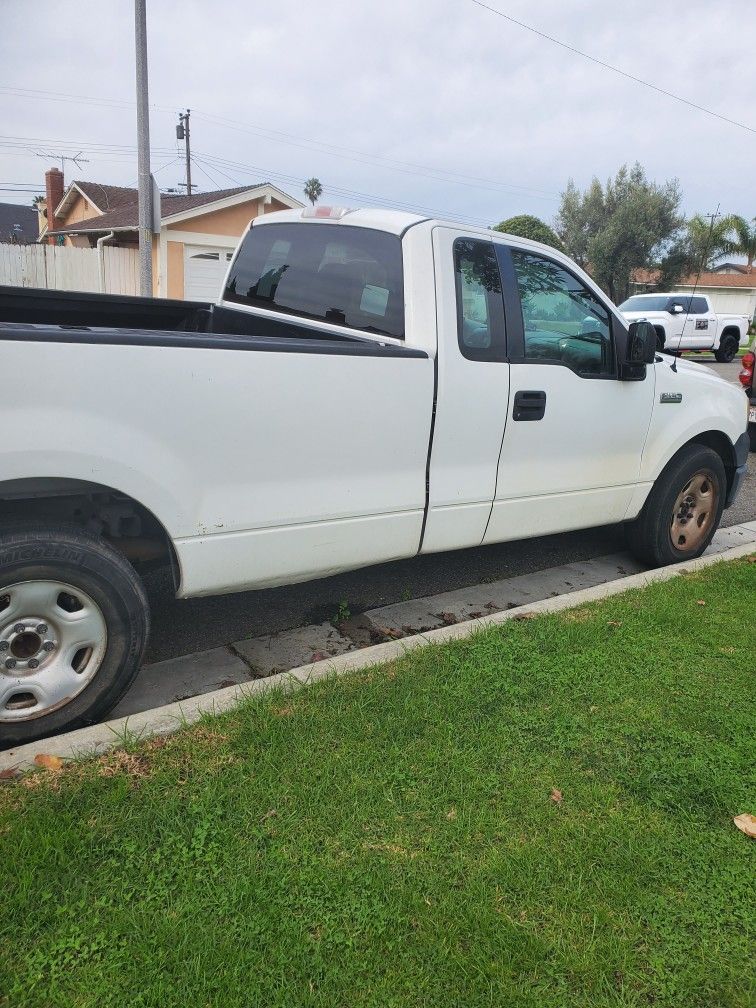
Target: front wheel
x=727, y=350
x=683, y=510
x=73, y=628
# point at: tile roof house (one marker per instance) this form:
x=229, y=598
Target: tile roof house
x=732, y=290
x=198, y=233
x=18, y=224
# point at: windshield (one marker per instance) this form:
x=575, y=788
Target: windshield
x=645, y=302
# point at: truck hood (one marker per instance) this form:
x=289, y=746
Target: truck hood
x=691, y=368
x=635, y=316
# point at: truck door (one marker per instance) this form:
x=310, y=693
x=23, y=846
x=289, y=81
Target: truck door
x=700, y=325
x=472, y=390
x=574, y=435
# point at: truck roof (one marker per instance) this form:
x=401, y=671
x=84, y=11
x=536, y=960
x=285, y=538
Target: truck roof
x=668, y=294
x=393, y=221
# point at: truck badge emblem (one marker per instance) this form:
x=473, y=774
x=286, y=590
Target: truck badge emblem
x=670, y=397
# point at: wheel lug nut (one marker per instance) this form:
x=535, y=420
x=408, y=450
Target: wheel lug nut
x=42, y=628
x=3, y=645
x=49, y=645
x=10, y=663
x=19, y=628
x=33, y=663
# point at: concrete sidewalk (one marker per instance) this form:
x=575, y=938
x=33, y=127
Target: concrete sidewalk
x=171, y=717
x=254, y=658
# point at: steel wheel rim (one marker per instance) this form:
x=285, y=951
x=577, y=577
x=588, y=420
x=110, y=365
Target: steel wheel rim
x=694, y=511
x=53, y=639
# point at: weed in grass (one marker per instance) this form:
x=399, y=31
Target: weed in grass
x=342, y=614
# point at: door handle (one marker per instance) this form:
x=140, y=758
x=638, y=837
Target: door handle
x=529, y=406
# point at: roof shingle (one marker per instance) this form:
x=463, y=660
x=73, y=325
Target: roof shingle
x=123, y=212
x=747, y=280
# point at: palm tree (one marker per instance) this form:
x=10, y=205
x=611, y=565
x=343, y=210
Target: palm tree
x=708, y=243
x=313, y=190
x=744, y=243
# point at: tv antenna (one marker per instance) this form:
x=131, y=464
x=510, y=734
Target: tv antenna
x=77, y=159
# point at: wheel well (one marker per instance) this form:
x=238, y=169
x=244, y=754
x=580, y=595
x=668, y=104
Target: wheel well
x=722, y=445
x=730, y=331
x=120, y=520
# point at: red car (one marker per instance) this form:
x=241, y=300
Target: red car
x=746, y=380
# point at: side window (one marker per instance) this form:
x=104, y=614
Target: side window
x=480, y=306
x=698, y=306
x=563, y=320
x=683, y=303
x=344, y=275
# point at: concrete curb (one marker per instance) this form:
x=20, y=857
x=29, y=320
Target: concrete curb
x=96, y=739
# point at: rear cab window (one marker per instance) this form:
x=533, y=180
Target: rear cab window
x=338, y=274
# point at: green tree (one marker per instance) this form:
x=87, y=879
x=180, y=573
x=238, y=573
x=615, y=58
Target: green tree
x=611, y=230
x=744, y=242
x=708, y=241
x=526, y=226
x=313, y=190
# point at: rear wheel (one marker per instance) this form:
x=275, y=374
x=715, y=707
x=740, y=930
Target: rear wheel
x=727, y=349
x=73, y=628
x=683, y=510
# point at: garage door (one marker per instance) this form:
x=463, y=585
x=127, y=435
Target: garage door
x=204, y=270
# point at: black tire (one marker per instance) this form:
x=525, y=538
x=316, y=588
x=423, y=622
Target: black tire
x=728, y=347
x=752, y=436
x=650, y=535
x=49, y=552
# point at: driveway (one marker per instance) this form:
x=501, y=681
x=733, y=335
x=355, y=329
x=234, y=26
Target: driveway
x=182, y=627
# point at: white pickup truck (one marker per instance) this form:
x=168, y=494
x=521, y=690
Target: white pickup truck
x=370, y=385
x=688, y=322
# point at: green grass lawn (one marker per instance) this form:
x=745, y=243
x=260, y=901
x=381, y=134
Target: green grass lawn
x=394, y=838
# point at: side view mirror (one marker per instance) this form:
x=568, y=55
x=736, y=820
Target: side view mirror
x=677, y=309
x=641, y=343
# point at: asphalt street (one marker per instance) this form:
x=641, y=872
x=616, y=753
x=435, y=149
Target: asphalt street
x=181, y=627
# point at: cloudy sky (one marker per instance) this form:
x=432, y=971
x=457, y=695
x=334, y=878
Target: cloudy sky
x=438, y=105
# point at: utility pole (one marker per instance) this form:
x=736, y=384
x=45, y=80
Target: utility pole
x=182, y=133
x=143, y=146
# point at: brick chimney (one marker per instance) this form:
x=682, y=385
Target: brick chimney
x=54, y=194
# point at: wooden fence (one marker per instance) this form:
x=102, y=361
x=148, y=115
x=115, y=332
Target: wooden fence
x=63, y=267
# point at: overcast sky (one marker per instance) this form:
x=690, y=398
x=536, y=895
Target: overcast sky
x=432, y=104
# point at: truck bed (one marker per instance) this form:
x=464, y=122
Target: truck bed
x=122, y=318
x=54, y=307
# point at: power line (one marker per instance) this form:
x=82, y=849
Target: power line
x=219, y=164
x=442, y=175
x=364, y=157
x=614, y=69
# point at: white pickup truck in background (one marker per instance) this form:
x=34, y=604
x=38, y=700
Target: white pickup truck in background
x=370, y=385
x=688, y=322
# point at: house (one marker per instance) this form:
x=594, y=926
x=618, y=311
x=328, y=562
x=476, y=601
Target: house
x=730, y=287
x=198, y=233
x=19, y=225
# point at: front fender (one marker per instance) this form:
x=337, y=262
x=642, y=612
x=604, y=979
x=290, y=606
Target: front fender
x=708, y=408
